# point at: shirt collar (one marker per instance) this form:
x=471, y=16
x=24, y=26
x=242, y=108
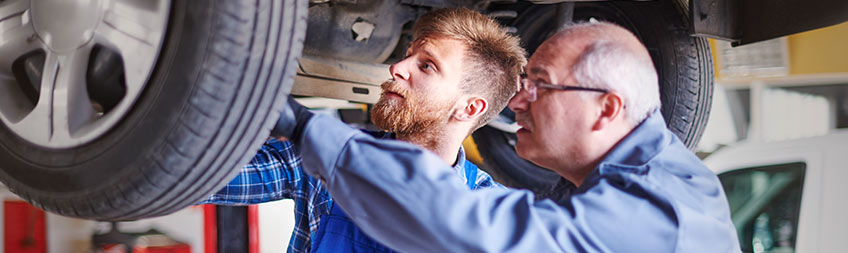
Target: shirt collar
x=459, y=166
x=642, y=144
x=559, y=191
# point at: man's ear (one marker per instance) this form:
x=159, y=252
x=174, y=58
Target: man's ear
x=612, y=106
x=470, y=108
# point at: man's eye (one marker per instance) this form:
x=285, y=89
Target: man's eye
x=426, y=66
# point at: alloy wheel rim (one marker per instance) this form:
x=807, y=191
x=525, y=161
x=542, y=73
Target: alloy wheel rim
x=58, y=110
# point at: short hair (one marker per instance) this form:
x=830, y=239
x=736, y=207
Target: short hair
x=610, y=63
x=495, y=59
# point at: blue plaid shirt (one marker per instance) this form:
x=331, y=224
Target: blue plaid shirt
x=275, y=173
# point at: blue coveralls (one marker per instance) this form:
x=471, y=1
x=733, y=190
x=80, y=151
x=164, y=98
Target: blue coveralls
x=337, y=233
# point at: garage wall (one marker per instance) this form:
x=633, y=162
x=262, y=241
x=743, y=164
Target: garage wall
x=813, y=52
x=74, y=235
x=276, y=222
x=69, y=235
x=813, y=59
x=819, y=51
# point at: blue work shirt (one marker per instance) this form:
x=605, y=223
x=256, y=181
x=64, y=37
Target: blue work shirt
x=649, y=194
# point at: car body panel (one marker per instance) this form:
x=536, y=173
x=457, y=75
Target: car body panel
x=749, y=21
x=822, y=223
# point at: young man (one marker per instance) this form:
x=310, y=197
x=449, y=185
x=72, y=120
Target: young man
x=459, y=73
x=588, y=111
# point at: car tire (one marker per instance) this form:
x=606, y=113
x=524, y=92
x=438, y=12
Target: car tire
x=683, y=63
x=215, y=92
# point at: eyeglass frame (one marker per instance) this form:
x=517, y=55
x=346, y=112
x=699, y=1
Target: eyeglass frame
x=534, y=91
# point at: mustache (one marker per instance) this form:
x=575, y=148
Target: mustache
x=394, y=87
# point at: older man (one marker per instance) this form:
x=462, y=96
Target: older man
x=459, y=72
x=588, y=111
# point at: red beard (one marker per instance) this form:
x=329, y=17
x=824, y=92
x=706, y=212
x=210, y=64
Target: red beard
x=410, y=115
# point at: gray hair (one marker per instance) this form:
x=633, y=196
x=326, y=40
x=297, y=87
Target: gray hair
x=612, y=65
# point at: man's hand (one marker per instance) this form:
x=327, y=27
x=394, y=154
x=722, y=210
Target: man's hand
x=292, y=121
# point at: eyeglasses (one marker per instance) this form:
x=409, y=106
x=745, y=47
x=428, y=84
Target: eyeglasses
x=531, y=86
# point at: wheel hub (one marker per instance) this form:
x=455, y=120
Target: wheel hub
x=70, y=70
x=65, y=25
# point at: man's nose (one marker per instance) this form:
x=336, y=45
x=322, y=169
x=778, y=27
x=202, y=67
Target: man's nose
x=399, y=70
x=519, y=102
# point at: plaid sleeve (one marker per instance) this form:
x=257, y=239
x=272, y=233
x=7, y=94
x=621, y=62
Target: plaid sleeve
x=274, y=173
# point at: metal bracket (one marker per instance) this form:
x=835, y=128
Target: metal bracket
x=715, y=18
x=353, y=81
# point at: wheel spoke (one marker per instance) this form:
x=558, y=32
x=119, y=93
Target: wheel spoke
x=17, y=36
x=71, y=106
x=38, y=124
x=134, y=29
x=148, y=13
x=12, y=8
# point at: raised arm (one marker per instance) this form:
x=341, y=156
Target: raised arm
x=274, y=173
x=409, y=199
